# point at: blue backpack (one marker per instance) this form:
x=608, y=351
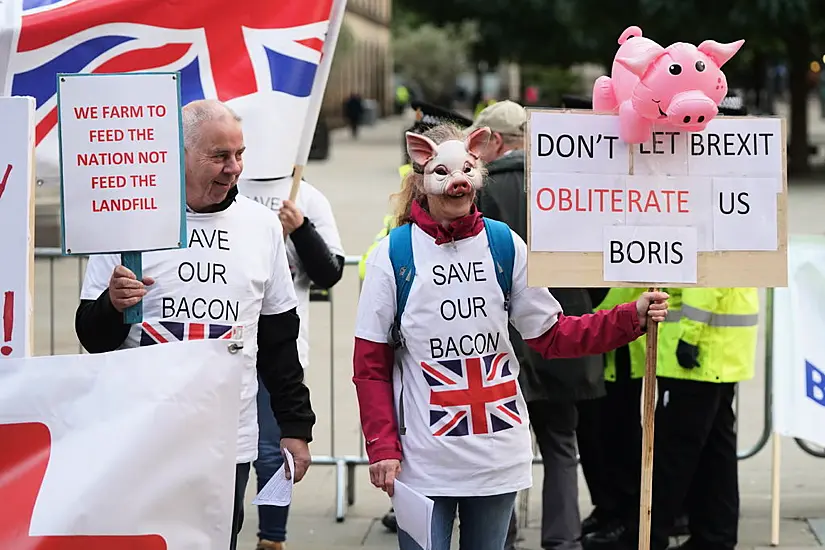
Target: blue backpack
x=502, y=249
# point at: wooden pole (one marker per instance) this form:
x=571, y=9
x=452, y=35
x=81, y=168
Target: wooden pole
x=296, y=182
x=648, y=415
x=776, y=446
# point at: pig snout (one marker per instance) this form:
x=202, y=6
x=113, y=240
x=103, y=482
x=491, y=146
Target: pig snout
x=458, y=186
x=691, y=110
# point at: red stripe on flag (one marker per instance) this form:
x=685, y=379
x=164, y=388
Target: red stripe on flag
x=315, y=43
x=45, y=126
x=435, y=374
x=196, y=331
x=154, y=334
x=449, y=425
x=144, y=59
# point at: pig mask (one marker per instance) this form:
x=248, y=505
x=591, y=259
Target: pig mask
x=679, y=86
x=450, y=168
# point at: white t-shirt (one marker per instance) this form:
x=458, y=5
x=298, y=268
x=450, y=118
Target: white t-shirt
x=467, y=427
x=316, y=207
x=233, y=270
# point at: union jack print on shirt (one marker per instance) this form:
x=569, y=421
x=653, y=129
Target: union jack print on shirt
x=223, y=50
x=163, y=332
x=474, y=395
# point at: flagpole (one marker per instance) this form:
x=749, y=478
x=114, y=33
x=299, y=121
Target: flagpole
x=336, y=18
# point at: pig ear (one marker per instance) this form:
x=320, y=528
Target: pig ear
x=638, y=63
x=720, y=53
x=477, y=140
x=420, y=148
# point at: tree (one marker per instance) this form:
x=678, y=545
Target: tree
x=432, y=56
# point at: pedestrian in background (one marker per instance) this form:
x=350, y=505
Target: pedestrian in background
x=315, y=256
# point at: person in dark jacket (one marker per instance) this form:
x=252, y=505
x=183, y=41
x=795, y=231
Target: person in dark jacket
x=552, y=388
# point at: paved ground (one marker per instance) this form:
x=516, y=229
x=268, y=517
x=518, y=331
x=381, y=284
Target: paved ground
x=358, y=178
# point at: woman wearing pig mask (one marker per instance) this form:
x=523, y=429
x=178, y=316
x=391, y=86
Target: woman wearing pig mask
x=434, y=370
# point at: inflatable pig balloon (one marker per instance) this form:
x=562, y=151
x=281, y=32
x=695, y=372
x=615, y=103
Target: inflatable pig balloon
x=680, y=86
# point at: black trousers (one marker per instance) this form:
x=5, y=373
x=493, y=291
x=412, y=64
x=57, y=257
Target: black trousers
x=615, y=491
x=589, y=435
x=695, y=467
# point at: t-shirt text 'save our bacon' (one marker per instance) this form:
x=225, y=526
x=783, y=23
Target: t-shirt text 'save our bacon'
x=233, y=270
x=467, y=427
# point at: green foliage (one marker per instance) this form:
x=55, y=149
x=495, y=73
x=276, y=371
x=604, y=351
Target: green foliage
x=433, y=56
x=553, y=82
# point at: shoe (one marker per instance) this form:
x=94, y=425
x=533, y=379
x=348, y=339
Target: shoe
x=681, y=528
x=389, y=522
x=591, y=524
x=270, y=545
x=606, y=537
x=598, y=519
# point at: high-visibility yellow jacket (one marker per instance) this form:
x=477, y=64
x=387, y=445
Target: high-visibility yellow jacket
x=637, y=347
x=389, y=222
x=722, y=322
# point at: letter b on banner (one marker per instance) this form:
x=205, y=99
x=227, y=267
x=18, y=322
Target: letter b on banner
x=814, y=383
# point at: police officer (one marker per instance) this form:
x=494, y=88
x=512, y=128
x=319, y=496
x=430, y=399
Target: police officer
x=700, y=360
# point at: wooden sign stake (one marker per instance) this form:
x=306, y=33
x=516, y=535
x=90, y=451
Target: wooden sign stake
x=648, y=415
x=296, y=182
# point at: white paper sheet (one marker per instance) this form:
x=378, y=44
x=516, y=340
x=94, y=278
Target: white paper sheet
x=278, y=490
x=673, y=201
x=586, y=202
x=414, y=514
x=744, y=214
x=664, y=154
x=737, y=147
x=650, y=254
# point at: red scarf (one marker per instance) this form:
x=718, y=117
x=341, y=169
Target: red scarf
x=466, y=226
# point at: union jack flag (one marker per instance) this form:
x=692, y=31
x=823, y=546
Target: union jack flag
x=472, y=395
x=229, y=51
x=163, y=332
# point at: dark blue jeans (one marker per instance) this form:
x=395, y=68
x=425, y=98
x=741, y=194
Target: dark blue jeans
x=483, y=523
x=271, y=519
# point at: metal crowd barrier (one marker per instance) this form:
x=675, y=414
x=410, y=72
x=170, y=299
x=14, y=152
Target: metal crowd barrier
x=345, y=465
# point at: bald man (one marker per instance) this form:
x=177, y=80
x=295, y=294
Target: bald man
x=248, y=287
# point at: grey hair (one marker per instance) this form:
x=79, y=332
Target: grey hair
x=200, y=111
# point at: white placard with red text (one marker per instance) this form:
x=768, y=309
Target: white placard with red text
x=121, y=156
x=128, y=449
x=17, y=224
x=682, y=208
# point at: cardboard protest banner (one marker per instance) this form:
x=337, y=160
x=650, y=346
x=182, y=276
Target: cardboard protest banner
x=17, y=215
x=133, y=449
x=705, y=209
x=121, y=164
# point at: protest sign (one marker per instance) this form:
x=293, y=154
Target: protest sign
x=682, y=209
x=121, y=166
x=133, y=449
x=17, y=215
x=121, y=153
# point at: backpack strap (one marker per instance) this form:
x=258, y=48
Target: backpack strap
x=403, y=267
x=503, y=251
